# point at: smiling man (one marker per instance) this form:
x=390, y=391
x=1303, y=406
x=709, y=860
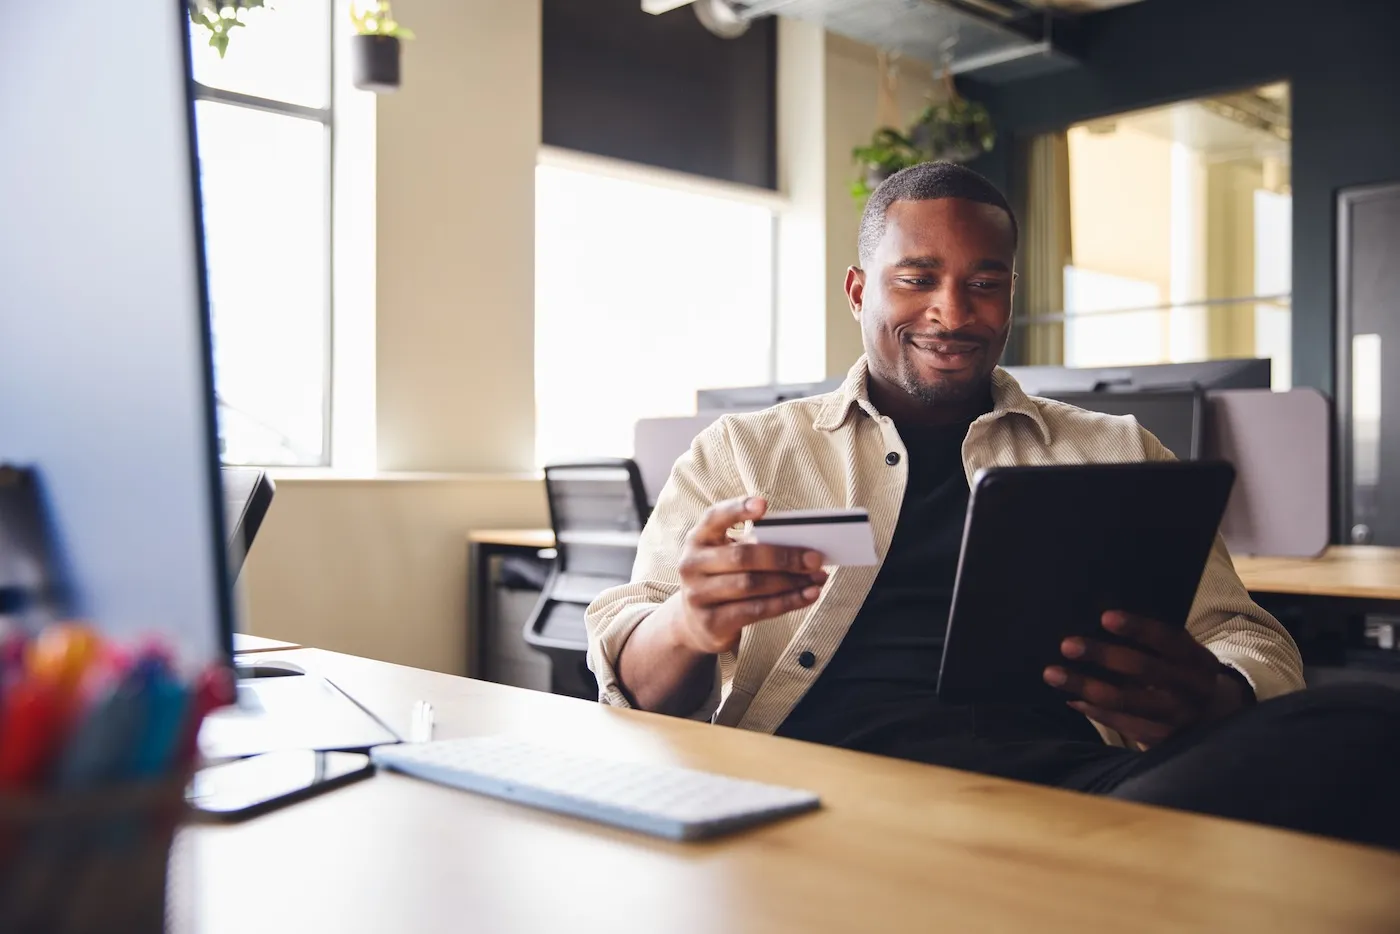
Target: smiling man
x=1211, y=717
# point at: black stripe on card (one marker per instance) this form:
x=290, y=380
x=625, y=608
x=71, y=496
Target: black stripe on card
x=845, y=519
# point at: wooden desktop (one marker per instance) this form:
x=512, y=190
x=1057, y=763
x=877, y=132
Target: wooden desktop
x=1354, y=572
x=896, y=847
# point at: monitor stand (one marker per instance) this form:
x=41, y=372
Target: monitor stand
x=248, y=668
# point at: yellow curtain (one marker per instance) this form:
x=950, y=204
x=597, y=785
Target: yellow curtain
x=1047, y=246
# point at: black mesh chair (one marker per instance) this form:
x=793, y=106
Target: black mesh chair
x=597, y=510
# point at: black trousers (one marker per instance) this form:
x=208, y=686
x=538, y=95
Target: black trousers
x=1324, y=761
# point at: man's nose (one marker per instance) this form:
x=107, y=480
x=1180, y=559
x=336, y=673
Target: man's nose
x=950, y=308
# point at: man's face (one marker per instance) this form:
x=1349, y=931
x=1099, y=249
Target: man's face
x=934, y=301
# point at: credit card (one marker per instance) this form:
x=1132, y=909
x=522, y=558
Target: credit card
x=843, y=536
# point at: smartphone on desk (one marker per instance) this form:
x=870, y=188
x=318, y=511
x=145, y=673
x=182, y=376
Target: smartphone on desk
x=244, y=788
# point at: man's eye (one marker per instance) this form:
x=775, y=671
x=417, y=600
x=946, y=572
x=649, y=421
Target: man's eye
x=917, y=281
x=987, y=284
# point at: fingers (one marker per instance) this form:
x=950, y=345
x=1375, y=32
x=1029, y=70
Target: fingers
x=1172, y=642
x=721, y=625
x=1135, y=729
x=746, y=585
x=1141, y=668
x=721, y=517
x=1164, y=707
x=734, y=557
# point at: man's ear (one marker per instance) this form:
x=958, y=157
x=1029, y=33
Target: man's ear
x=855, y=289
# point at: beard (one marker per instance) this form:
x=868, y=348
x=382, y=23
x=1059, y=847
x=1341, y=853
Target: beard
x=909, y=377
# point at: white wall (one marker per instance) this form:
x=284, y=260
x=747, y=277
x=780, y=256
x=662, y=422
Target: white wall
x=456, y=195
x=378, y=567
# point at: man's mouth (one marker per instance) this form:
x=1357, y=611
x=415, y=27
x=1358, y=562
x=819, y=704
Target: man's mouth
x=947, y=354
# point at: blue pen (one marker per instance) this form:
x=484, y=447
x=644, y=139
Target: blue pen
x=166, y=707
x=101, y=748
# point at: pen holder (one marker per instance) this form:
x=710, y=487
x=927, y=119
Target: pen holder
x=83, y=863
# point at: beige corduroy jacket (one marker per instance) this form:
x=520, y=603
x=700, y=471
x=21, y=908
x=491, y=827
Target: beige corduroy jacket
x=830, y=451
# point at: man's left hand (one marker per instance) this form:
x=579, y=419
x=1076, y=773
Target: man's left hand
x=1164, y=681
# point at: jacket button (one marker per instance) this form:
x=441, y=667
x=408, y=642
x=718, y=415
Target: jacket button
x=892, y=458
x=806, y=659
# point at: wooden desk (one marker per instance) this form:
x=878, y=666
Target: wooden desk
x=1351, y=572
x=897, y=846
x=535, y=539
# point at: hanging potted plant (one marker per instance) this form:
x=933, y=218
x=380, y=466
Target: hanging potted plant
x=220, y=17
x=888, y=151
x=953, y=128
x=376, y=49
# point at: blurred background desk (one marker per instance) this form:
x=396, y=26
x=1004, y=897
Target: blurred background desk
x=1342, y=607
x=506, y=570
x=244, y=644
x=1368, y=573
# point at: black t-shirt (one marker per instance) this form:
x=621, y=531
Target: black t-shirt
x=881, y=682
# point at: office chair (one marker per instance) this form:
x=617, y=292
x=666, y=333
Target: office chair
x=597, y=510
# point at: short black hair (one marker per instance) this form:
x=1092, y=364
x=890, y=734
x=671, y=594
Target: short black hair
x=927, y=181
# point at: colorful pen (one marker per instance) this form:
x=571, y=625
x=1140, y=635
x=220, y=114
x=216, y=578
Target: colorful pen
x=31, y=723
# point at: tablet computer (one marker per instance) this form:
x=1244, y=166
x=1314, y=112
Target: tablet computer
x=1048, y=550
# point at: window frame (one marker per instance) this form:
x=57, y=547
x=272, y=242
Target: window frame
x=325, y=117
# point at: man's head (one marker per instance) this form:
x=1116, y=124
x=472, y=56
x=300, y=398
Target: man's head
x=933, y=289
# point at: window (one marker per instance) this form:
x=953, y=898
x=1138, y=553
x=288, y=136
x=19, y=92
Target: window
x=263, y=120
x=644, y=293
x=1186, y=208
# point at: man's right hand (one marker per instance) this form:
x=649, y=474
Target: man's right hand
x=667, y=664
x=727, y=585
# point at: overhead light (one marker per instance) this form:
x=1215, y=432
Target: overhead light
x=662, y=6
x=720, y=18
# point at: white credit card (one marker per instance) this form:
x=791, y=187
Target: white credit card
x=843, y=536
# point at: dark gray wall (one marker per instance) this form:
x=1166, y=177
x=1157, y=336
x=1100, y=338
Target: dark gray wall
x=660, y=90
x=1342, y=58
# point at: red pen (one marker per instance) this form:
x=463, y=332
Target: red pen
x=213, y=689
x=32, y=724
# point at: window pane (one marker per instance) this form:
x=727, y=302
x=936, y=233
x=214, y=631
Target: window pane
x=281, y=53
x=264, y=179
x=1190, y=202
x=1099, y=332
x=643, y=295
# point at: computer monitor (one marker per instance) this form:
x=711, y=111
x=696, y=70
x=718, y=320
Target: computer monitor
x=105, y=364
x=1175, y=416
x=1208, y=374
x=248, y=494
x=753, y=398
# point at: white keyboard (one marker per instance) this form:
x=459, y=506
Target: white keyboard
x=665, y=801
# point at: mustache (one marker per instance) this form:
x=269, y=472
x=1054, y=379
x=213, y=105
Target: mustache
x=950, y=337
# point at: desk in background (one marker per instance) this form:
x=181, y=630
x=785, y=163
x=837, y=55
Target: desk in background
x=897, y=846
x=244, y=644
x=1367, y=573
x=519, y=663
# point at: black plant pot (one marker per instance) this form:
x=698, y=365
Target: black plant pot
x=374, y=62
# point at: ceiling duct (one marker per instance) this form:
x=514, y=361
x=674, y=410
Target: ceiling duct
x=997, y=40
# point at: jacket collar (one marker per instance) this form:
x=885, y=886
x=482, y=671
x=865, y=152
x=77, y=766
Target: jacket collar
x=1007, y=399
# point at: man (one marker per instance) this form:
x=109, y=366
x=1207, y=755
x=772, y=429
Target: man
x=764, y=638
